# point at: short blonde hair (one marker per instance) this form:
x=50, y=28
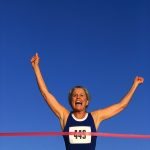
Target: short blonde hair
x=75, y=87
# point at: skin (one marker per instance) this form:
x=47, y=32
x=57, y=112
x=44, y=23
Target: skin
x=79, y=96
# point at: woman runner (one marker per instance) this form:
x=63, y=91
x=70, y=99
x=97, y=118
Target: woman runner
x=79, y=120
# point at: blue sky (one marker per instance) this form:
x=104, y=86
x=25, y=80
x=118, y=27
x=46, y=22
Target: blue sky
x=101, y=45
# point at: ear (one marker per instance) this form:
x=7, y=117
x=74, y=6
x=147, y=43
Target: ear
x=87, y=103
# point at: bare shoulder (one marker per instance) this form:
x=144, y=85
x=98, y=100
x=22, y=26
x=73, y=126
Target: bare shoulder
x=96, y=114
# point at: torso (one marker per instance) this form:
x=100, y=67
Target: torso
x=86, y=124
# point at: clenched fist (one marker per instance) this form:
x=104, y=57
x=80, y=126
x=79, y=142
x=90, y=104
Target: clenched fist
x=35, y=60
x=138, y=80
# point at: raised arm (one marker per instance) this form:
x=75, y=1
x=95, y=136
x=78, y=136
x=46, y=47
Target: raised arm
x=113, y=110
x=55, y=106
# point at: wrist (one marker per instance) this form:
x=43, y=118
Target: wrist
x=35, y=66
x=135, y=84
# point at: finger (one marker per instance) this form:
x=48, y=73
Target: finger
x=140, y=79
x=37, y=55
x=33, y=59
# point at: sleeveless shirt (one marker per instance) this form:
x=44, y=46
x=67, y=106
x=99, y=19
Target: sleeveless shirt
x=80, y=142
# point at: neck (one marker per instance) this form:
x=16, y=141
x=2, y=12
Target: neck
x=79, y=115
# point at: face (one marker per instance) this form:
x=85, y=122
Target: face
x=79, y=100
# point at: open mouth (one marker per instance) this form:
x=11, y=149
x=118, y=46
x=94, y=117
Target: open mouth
x=78, y=103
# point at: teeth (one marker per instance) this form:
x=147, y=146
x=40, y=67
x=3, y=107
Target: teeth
x=78, y=102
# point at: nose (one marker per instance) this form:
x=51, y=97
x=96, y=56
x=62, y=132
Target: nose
x=78, y=96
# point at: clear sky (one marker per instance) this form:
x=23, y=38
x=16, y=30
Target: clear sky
x=101, y=45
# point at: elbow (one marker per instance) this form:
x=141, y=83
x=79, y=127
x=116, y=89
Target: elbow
x=124, y=105
x=44, y=93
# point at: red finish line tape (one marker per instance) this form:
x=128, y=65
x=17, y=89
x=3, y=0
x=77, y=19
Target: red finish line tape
x=113, y=135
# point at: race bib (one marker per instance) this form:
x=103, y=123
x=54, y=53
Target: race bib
x=80, y=138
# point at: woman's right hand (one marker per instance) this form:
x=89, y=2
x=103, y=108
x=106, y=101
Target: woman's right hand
x=35, y=60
